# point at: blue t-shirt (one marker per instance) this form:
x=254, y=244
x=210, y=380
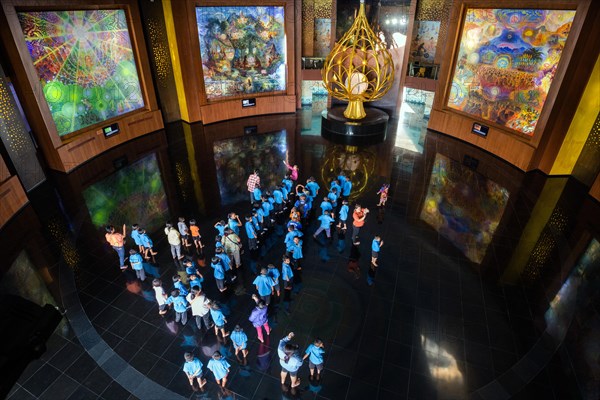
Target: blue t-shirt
x=335, y=185
x=136, y=261
x=146, y=241
x=278, y=196
x=239, y=339
x=257, y=194
x=182, y=289
x=196, y=282
x=220, y=368
x=344, y=212
x=221, y=229
x=179, y=303
x=313, y=187
x=342, y=179
x=219, y=270
x=274, y=274
x=285, y=192
x=135, y=235
x=315, y=354
x=266, y=206
x=218, y=317
x=288, y=184
x=347, y=188
x=333, y=197
x=286, y=272
x=326, y=206
x=234, y=226
x=264, y=284
x=375, y=246
x=289, y=238
x=194, y=367
x=250, y=231
x=326, y=221
x=296, y=250
x=225, y=261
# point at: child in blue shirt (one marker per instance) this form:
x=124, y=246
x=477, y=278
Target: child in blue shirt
x=287, y=275
x=137, y=264
x=193, y=370
x=196, y=280
x=326, y=205
x=314, y=353
x=346, y=188
x=333, y=196
x=375, y=247
x=219, y=273
x=219, y=319
x=278, y=197
x=274, y=274
x=256, y=194
x=240, y=340
x=296, y=250
x=313, y=186
x=326, y=221
x=343, y=215
x=177, y=284
x=135, y=235
x=220, y=368
x=233, y=223
x=220, y=227
x=264, y=285
x=180, y=305
x=148, y=245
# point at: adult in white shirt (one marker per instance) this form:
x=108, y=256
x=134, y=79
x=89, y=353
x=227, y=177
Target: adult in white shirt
x=174, y=239
x=200, y=308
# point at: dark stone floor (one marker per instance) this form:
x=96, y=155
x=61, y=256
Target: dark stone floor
x=451, y=315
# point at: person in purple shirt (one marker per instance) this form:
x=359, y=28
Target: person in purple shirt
x=259, y=318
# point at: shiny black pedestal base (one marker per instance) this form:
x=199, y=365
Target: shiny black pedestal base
x=369, y=130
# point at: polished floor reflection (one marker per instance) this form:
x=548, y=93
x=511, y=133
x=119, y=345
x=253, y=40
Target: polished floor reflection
x=487, y=285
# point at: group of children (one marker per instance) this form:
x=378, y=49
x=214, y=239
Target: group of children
x=283, y=205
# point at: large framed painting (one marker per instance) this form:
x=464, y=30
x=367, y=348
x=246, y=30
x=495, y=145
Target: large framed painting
x=243, y=50
x=506, y=62
x=85, y=63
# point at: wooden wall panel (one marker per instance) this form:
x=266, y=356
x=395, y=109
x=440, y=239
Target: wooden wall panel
x=595, y=189
x=64, y=154
x=233, y=109
x=507, y=147
x=12, y=198
x=4, y=172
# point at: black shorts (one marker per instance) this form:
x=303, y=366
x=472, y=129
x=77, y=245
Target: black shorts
x=374, y=254
x=312, y=366
x=196, y=238
x=220, y=283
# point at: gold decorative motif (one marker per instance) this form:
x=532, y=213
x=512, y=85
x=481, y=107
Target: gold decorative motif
x=359, y=68
x=358, y=164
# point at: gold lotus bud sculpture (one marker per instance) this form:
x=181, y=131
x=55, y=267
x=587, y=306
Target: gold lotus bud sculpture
x=359, y=68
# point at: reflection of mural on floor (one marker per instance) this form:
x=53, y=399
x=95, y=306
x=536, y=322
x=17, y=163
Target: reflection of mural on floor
x=463, y=206
x=23, y=279
x=237, y=158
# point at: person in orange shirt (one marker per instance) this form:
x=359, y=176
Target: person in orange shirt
x=117, y=241
x=196, y=238
x=358, y=216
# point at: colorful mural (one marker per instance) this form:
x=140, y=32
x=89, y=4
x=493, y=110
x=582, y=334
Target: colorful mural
x=243, y=50
x=424, y=41
x=237, y=158
x=133, y=194
x=506, y=63
x=85, y=63
x=463, y=206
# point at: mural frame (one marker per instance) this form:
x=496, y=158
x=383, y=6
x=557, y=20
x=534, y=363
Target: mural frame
x=452, y=72
x=285, y=39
